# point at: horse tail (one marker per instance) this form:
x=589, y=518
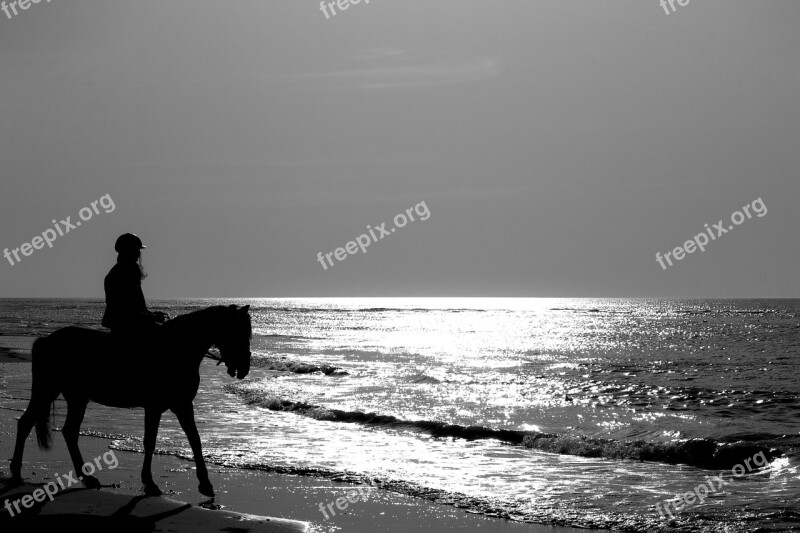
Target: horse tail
x=43, y=434
x=42, y=396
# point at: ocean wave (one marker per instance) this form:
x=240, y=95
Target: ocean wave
x=281, y=336
x=514, y=511
x=256, y=397
x=423, y=379
x=547, y=512
x=592, y=310
x=369, y=309
x=106, y=436
x=701, y=453
x=297, y=367
x=342, y=309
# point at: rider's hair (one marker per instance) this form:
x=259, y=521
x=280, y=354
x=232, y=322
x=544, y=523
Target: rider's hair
x=142, y=273
x=121, y=258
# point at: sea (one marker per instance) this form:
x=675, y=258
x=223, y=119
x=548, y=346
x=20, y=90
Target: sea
x=582, y=412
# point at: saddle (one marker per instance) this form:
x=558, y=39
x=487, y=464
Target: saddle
x=132, y=340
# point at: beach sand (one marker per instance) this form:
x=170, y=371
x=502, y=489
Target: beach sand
x=244, y=498
x=103, y=511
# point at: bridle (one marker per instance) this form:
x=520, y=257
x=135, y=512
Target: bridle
x=216, y=358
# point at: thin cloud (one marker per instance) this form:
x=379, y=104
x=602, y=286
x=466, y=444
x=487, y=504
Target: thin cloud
x=398, y=70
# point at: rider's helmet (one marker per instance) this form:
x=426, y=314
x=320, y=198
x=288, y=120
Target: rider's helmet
x=128, y=243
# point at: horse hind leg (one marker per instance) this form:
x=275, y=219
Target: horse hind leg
x=36, y=414
x=76, y=409
x=24, y=427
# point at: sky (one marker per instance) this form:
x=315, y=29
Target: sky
x=557, y=145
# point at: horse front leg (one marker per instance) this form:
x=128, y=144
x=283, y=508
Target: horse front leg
x=185, y=414
x=152, y=419
x=76, y=409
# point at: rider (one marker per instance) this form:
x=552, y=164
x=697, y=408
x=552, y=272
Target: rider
x=126, y=310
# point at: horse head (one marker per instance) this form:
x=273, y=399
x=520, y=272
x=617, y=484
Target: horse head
x=234, y=344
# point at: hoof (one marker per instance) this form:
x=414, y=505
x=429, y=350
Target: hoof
x=15, y=481
x=151, y=489
x=206, y=489
x=91, y=482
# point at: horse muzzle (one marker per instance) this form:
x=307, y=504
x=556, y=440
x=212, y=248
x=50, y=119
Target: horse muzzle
x=239, y=373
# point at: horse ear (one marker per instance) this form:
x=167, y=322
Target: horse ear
x=245, y=309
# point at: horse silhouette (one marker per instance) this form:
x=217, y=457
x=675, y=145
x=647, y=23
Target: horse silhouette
x=90, y=365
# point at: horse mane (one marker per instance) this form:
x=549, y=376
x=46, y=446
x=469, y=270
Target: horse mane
x=210, y=314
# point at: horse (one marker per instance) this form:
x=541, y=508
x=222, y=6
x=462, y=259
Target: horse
x=78, y=363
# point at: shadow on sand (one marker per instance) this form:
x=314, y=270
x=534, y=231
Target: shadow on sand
x=37, y=517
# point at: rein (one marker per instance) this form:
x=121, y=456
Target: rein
x=214, y=357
